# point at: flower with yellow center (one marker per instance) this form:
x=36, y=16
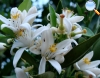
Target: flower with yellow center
x=51, y=52
x=18, y=18
x=88, y=68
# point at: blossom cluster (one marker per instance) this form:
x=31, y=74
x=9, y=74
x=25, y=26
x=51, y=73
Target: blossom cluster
x=52, y=43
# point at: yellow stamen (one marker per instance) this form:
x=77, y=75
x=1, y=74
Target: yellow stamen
x=86, y=61
x=53, y=48
x=20, y=32
x=15, y=16
x=28, y=69
x=84, y=31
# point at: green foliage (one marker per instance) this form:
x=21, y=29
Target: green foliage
x=8, y=32
x=79, y=51
x=52, y=16
x=89, y=32
x=25, y=5
x=45, y=75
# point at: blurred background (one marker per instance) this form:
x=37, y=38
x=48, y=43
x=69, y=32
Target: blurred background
x=91, y=20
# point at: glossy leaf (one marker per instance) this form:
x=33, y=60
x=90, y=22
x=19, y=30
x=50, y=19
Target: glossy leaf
x=52, y=16
x=96, y=49
x=8, y=31
x=45, y=75
x=79, y=51
x=28, y=58
x=59, y=7
x=89, y=33
x=79, y=10
x=25, y=5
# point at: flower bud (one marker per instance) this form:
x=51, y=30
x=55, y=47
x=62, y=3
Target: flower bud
x=2, y=46
x=20, y=73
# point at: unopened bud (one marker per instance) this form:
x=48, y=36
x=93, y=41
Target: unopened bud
x=9, y=40
x=2, y=46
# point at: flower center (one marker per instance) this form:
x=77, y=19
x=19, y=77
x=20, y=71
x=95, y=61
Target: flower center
x=53, y=48
x=20, y=32
x=15, y=16
x=86, y=61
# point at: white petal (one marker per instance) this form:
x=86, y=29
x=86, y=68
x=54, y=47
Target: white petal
x=75, y=19
x=60, y=58
x=76, y=66
x=32, y=10
x=64, y=43
x=16, y=44
x=42, y=65
x=39, y=31
x=87, y=73
x=20, y=73
x=4, y=20
x=18, y=55
x=95, y=70
x=10, y=27
x=56, y=65
x=67, y=25
x=91, y=65
x=34, y=50
x=89, y=56
x=29, y=18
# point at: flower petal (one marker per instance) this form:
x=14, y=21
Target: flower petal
x=91, y=65
x=67, y=25
x=34, y=50
x=10, y=27
x=4, y=20
x=39, y=31
x=32, y=10
x=16, y=44
x=42, y=65
x=60, y=58
x=75, y=19
x=76, y=66
x=18, y=55
x=89, y=56
x=56, y=65
x=30, y=18
x=20, y=73
x=95, y=70
x=87, y=73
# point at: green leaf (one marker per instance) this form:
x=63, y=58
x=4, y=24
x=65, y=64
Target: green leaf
x=13, y=76
x=79, y=51
x=79, y=10
x=8, y=31
x=96, y=49
x=89, y=32
x=45, y=75
x=29, y=59
x=52, y=16
x=59, y=7
x=25, y=5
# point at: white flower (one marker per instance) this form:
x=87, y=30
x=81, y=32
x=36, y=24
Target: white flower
x=20, y=73
x=25, y=40
x=51, y=52
x=89, y=68
x=72, y=18
x=18, y=18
